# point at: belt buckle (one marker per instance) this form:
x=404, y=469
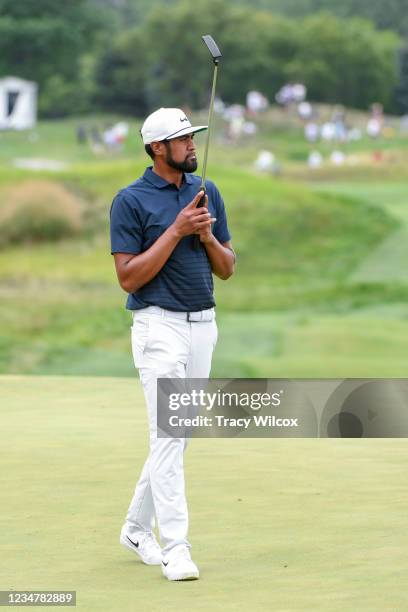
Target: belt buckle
x=195, y=319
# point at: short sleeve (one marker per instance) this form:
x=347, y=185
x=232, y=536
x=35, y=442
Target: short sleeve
x=220, y=227
x=125, y=227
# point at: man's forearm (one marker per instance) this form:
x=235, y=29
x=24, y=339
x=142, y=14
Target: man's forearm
x=222, y=258
x=140, y=269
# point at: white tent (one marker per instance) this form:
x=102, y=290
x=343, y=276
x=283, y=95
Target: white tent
x=18, y=104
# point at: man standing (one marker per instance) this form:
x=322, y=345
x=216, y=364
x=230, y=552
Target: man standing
x=154, y=224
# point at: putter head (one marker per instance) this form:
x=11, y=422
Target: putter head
x=212, y=47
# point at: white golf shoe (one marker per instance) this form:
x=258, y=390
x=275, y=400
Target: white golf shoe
x=144, y=544
x=178, y=565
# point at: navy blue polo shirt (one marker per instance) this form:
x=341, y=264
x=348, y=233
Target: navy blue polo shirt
x=140, y=213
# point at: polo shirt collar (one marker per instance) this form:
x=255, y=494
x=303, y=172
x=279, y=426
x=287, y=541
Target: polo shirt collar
x=160, y=182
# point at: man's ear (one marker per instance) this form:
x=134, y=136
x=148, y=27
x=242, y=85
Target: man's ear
x=158, y=148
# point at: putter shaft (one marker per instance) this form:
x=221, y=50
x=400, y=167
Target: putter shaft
x=216, y=55
x=210, y=114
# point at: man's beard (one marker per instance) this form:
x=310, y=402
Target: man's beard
x=188, y=165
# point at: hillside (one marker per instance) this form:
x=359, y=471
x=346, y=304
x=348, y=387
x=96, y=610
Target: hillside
x=320, y=257
x=296, y=249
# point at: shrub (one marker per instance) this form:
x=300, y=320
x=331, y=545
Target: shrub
x=38, y=210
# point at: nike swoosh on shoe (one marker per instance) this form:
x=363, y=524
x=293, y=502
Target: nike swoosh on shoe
x=134, y=543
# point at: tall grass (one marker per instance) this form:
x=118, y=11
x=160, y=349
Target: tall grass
x=38, y=210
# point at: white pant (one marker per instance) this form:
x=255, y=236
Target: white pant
x=166, y=347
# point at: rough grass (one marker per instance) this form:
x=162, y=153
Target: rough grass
x=275, y=524
x=86, y=331
x=286, y=236
x=297, y=250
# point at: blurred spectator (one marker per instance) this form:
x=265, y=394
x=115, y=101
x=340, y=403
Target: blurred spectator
x=249, y=128
x=284, y=95
x=291, y=92
x=234, y=129
x=315, y=160
x=114, y=136
x=298, y=92
x=109, y=139
x=312, y=131
x=376, y=122
x=305, y=110
x=234, y=115
x=256, y=102
x=373, y=127
x=328, y=131
x=121, y=131
x=339, y=120
x=265, y=160
x=96, y=141
x=235, y=111
x=219, y=106
x=337, y=158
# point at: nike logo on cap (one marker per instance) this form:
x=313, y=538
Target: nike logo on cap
x=185, y=119
x=134, y=543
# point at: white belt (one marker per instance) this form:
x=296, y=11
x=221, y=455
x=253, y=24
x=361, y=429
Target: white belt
x=195, y=316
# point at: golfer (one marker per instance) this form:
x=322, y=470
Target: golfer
x=154, y=223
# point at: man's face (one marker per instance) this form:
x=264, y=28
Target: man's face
x=181, y=153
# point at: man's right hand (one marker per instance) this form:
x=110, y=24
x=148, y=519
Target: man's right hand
x=191, y=219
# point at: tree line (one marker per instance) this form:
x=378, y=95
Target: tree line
x=85, y=56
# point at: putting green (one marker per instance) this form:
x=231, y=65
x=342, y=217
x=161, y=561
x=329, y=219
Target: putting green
x=275, y=524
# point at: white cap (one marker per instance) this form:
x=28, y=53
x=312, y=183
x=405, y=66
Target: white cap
x=167, y=123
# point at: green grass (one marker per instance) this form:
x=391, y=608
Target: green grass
x=322, y=259
x=320, y=290
x=391, y=196
x=86, y=331
x=369, y=343
x=297, y=251
x=385, y=263
x=285, y=236
x=274, y=524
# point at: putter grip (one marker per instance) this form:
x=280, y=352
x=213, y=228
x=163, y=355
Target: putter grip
x=197, y=241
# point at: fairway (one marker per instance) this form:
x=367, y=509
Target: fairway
x=275, y=524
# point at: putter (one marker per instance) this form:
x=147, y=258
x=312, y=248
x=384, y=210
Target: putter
x=216, y=55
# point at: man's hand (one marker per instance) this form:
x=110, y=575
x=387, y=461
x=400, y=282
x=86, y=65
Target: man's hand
x=205, y=233
x=193, y=220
